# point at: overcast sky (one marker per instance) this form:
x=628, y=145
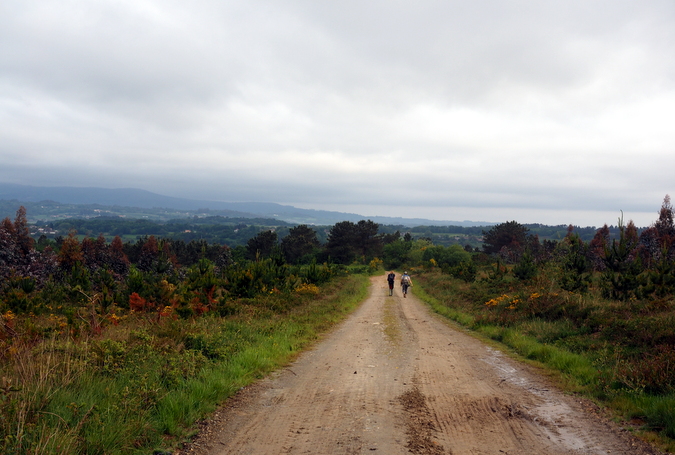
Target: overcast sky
x=554, y=112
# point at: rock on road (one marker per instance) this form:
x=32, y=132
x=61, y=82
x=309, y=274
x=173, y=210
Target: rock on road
x=395, y=379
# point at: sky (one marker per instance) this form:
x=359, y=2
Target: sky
x=556, y=112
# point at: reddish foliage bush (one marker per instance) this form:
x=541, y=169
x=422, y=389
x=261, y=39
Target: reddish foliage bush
x=138, y=303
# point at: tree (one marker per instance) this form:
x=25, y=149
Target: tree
x=16, y=244
x=149, y=254
x=24, y=241
x=659, y=239
x=117, y=260
x=8, y=249
x=575, y=266
x=369, y=245
x=300, y=244
x=446, y=257
x=18, y=255
x=622, y=264
x=341, y=242
x=348, y=241
x=525, y=269
x=262, y=245
x=650, y=247
x=597, y=248
x=94, y=252
x=395, y=253
x=70, y=253
x=224, y=258
x=510, y=235
x=390, y=238
x=155, y=256
x=665, y=225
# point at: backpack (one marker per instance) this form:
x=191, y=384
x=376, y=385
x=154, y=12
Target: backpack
x=406, y=280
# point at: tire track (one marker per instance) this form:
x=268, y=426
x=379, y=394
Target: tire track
x=395, y=379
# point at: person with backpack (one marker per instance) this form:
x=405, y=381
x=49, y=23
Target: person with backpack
x=390, y=279
x=406, y=282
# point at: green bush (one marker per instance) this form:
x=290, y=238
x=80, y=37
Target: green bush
x=526, y=269
x=615, y=350
x=465, y=271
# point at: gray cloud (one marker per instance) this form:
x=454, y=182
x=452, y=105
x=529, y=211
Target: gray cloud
x=459, y=109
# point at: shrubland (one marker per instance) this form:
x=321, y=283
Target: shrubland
x=114, y=347
x=600, y=313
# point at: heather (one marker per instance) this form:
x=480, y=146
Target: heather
x=107, y=347
x=121, y=347
x=601, y=313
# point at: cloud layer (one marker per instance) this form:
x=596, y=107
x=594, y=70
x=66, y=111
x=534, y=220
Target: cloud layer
x=540, y=112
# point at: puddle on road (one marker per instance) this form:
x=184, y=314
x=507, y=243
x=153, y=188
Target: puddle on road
x=555, y=417
x=510, y=374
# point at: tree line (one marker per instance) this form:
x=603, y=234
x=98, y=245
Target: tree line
x=61, y=272
x=212, y=229
x=631, y=263
x=75, y=286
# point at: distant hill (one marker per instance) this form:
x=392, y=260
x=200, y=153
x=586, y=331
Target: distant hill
x=97, y=199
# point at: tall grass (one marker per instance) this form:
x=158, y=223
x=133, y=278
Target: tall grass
x=142, y=385
x=615, y=352
x=657, y=411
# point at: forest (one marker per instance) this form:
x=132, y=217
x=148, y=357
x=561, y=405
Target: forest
x=236, y=231
x=138, y=323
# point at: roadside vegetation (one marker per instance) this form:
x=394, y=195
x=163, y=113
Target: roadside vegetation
x=113, y=348
x=112, y=345
x=601, y=313
x=142, y=383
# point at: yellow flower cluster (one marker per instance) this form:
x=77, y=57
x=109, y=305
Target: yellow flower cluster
x=307, y=289
x=166, y=311
x=375, y=263
x=497, y=300
x=167, y=286
x=58, y=320
x=504, y=299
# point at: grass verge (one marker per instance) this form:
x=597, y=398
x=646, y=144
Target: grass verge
x=584, y=371
x=141, y=386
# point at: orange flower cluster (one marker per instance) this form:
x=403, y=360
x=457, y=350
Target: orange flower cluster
x=505, y=300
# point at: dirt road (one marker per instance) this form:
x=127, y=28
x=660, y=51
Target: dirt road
x=395, y=379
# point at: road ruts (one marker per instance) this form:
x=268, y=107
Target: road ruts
x=395, y=379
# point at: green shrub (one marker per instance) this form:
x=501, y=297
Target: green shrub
x=526, y=269
x=575, y=267
x=616, y=350
x=465, y=271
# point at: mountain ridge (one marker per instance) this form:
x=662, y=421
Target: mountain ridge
x=139, y=198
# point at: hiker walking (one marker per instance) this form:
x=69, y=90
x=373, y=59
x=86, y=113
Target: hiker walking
x=406, y=282
x=390, y=279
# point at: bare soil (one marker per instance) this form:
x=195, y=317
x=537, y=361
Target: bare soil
x=396, y=379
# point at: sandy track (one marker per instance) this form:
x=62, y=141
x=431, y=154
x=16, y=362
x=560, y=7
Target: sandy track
x=395, y=379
